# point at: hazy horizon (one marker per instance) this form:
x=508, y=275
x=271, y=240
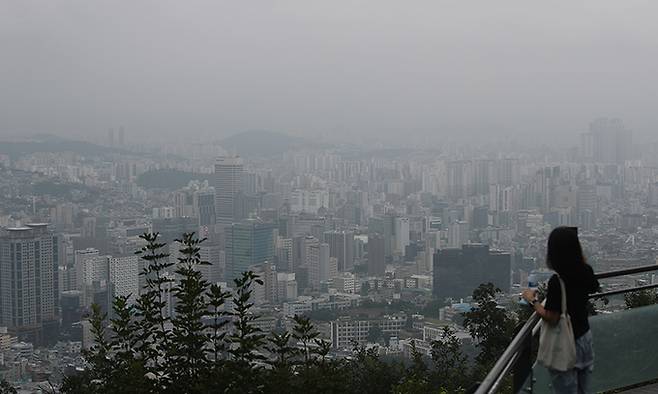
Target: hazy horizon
x=336, y=70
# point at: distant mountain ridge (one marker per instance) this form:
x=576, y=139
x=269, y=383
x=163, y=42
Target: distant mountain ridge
x=261, y=143
x=51, y=143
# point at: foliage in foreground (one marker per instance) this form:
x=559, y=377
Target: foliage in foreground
x=212, y=344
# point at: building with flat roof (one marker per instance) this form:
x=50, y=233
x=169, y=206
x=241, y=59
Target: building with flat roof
x=29, y=285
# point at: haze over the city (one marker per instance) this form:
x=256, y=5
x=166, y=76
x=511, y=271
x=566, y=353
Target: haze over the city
x=339, y=70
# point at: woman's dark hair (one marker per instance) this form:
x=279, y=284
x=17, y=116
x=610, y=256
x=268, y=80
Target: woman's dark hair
x=564, y=254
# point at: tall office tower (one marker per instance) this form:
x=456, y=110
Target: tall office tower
x=586, y=206
x=29, y=286
x=124, y=277
x=607, y=141
x=248, y=243
x=317, y=261
x=341, y=246
x=228, y=182
x=313, y=263
x=385, y=227
x=458, y=234
x=401, y=235
x=457, y=272
x=376, y=256
x=205, y=202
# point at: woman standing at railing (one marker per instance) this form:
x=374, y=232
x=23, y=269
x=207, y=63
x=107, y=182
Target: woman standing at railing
x=565, y=257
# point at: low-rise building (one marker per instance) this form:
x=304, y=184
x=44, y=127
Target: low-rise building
x=346, y=330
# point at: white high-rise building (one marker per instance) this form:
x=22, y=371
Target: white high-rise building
x=124, y=277
x=319, y=264
x=216, y=257
x=228, y=183
x=458, y=234
x=90, y=267
x=309, y=201
x=401, y=232
x=287, y=286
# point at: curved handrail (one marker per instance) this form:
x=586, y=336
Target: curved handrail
x=505, y=362
x=494, y=378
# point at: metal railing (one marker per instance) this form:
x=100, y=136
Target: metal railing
x=517, y=358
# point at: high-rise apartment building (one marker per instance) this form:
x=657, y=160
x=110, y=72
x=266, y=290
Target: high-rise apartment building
x=607, y=141
x=318, y=263
x=458, y=234
x=124, y=277
x=228, y=182
x=92, y=274
x=29, y=259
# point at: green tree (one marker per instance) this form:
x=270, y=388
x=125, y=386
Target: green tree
x=188, y=355
x=371, y=375
x=431, y=309
x=246, y=339
x=216, y=301
x=305, y=333
x=211, y=347
x=281, y=361
x=640, y=298
x=6, y=388
x=152, y=336
x=99, y=378
x=491, y=325
x=375, y=333
x=449, y=362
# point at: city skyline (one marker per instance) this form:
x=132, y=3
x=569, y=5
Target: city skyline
x=327, y=197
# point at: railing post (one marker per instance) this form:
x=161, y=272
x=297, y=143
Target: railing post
x=523, y=366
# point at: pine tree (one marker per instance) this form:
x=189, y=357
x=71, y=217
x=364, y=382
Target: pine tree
x=153, y=342
x=245, y=340
x=187, y=356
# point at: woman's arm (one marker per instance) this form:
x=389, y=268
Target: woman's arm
x=549, y=316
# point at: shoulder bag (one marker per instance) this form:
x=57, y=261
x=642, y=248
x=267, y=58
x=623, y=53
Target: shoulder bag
x=557, y=346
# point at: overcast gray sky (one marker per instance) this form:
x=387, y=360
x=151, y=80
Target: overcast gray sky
x=319, y=68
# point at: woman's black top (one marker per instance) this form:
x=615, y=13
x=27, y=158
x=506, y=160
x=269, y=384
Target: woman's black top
x=579, y=284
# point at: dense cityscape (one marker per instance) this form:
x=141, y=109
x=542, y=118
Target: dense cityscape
x=381, y=247
x=328, y=197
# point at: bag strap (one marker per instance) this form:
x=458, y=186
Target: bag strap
x=563, y=289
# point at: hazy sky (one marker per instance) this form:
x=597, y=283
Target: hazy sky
x=327, y=68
